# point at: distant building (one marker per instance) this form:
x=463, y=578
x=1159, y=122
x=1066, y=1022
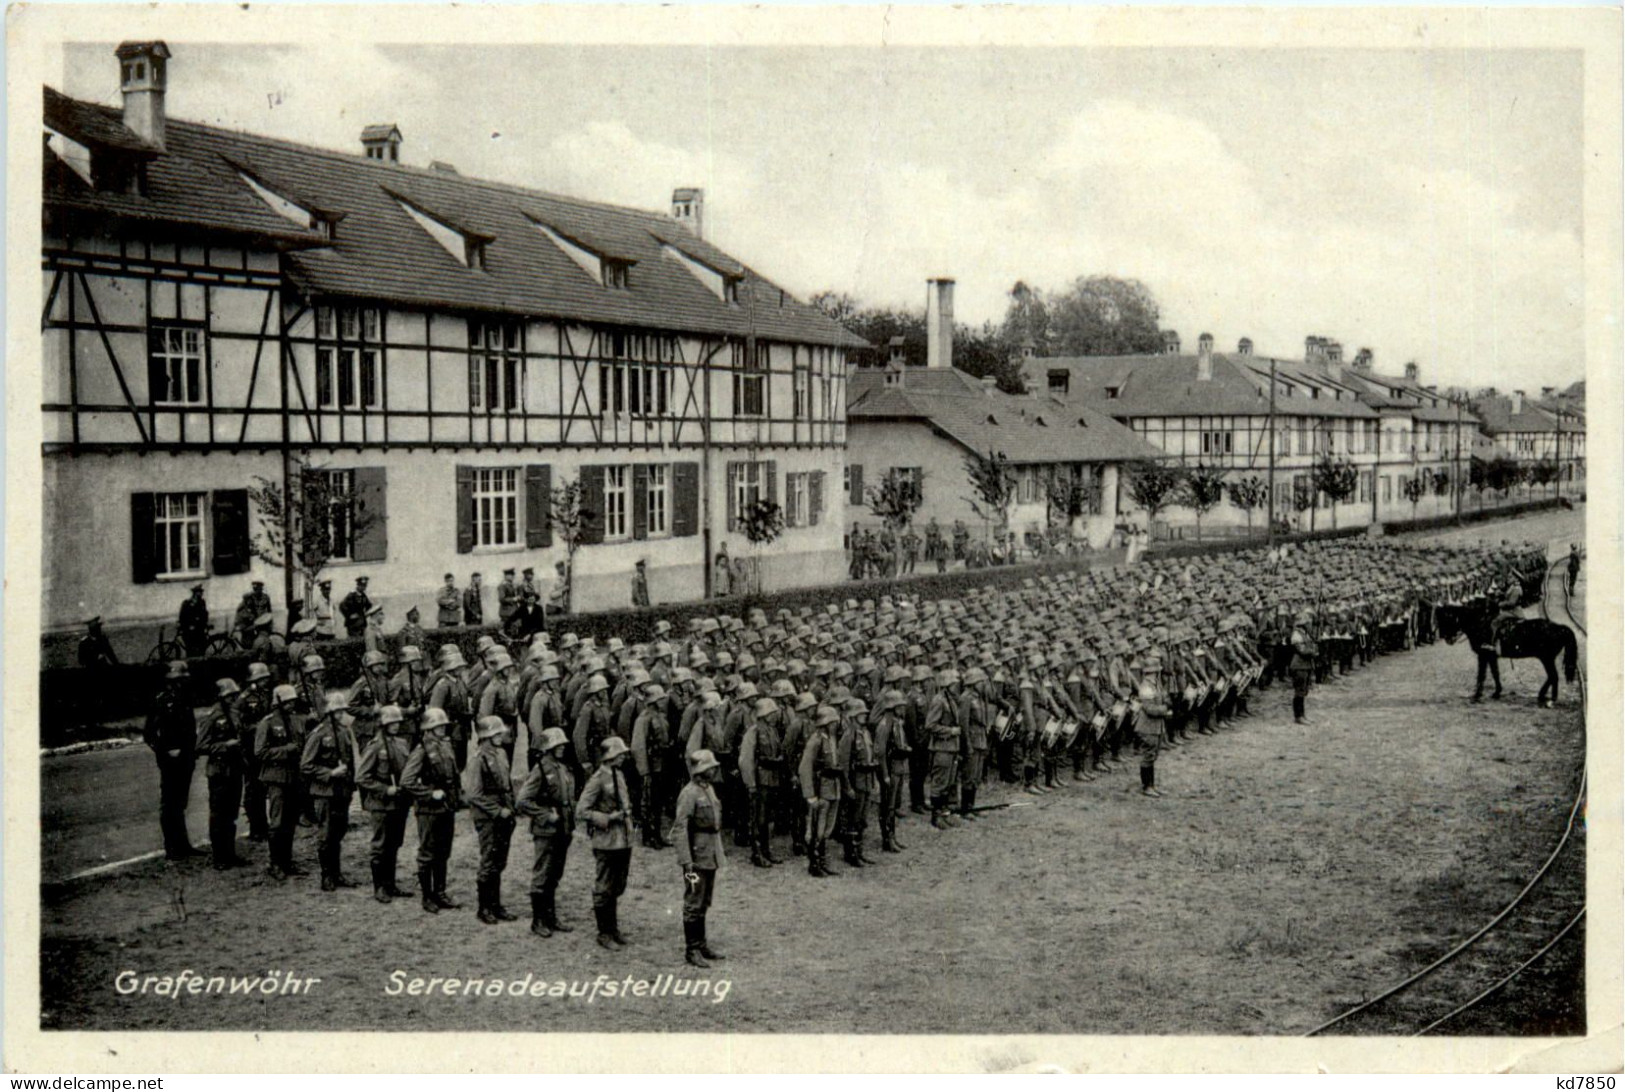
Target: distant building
x=1552, y=430
x=1214, y=410
x=443, y=349
x=922, y=423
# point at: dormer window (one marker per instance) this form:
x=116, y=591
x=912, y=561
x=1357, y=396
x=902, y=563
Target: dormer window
x=1059, y=381
x=615, y=274
x=467, y=247
x=1113, y=392
x=288, y=208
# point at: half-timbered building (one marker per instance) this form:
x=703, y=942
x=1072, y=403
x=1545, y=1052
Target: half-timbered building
x=222, y=308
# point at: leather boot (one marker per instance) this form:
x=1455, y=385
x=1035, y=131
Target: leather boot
x=538, y=916
x=482, y=894
x=691, y=946
x=705, y=944
x=445, y=901
x=888, y=844
x=502, y=912
x=614, y=915
x=426, y=881
x=380, y=889
x=812, y=861
x=823, y=859
x=550, y=915
x=604, y=939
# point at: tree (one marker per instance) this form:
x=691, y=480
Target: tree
x=1154, y=485
x=762, y=521
x=1304, y=496
x=571, y=520
x=1248, y=494
x=993, y=481
x=1337, y=479
x=1502, y=474
x=318, y=519
x=1070, y=494
x=1414, y=489
x=895, y=499
x=1543, y=473
x=987, y=351
x=978, y=351
x=1478, y=476
x=1104, y=316
x=1026, y=318
x=837, y=305
x=1441, y=483
x=1202, y=491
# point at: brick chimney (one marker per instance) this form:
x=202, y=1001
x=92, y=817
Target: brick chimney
x=1517, y=402
x=1204, y=358
x=1244, y=347
x=382, y=142
x=1333, y=351
x=688, y=208
x=989, y=384
x=142, y=79
x=1363, y=360
x=1170, y=342
x=1411, y=371
x=939, y=323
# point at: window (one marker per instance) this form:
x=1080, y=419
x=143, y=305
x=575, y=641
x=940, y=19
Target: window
x=615, y=274
x=1027, y=485
x=1365, y=485
x=749, y=486
x=340, y=514
x=634, y=389
x=1060, y=380
x=798, y=500
x=750, y=381
x=1387, y=488
x=657, y=499
x=175, y=364
x=1113, y=392
x=178, y=527
x=1218, y=443
x=913, y=475
x=496, y=367
x=617, y=503
x=846, y=479
x=347, y=358
x=496, y=507
x=801, y=404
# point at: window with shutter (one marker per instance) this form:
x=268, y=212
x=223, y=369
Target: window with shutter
x=640, y=501
x=855, y=476
x=371, y=538
x=229, y=512
x=732, y=492
x=772, y=472
x=816, y=504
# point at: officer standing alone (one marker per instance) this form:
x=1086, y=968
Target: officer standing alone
x=699, y=851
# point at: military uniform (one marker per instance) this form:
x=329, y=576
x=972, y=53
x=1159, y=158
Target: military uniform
x=605, y=809
x=488, y=790
x=221, y=742
x=821, y=787
x=432, y=768
x=279, y=741
x=698, y=832
x=762, y=770
x=378, y=776
x=548, y=798
x=171, y=733
x=328, y=766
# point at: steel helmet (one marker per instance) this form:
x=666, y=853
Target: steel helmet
x=389, y=714
x=554, y=737
x=434, y=718
x=597, y=685
x=227, y=687
x=411, y=654
x=284, y=695
x=487, y=727
x=314, y=663
x=337, y=701
x=766, y=707
x=374, y=659
x=258, y=671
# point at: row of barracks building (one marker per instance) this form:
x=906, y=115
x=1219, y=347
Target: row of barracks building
x=222, y=308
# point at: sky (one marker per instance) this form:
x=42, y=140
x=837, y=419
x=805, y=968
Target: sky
x=1423, y=203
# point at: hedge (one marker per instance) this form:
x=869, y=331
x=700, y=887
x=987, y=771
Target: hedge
x=1481, y=515
x=1201, y=548
x=71, y=696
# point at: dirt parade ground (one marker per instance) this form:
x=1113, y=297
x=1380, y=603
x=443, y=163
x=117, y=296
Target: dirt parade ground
x=1287, y=873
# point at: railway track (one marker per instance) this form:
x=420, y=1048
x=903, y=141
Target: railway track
x=1550, y=907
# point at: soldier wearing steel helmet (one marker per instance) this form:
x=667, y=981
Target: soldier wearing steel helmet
x=975, y=721
x=763, y=771
x=367, y=694
x=500, y=698
x=447, y=691
x=548, y=798
x=171, y=734
x=431, y=779
x=279, y=741
x=378, y=776
x=943, y=735
x=488, y=790
x=698, y=831
x=1152, y=715
x=605, y=809
x=220, y=740
x=651, y=751
x=892, y=752
x=327, y=764
x=820, y=776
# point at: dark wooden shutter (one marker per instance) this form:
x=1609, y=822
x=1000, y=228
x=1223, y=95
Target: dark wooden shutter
x=312, y=491
x=143, y=541
x=371, y=515
x=538, y=506
x=157, y=378
x=857, y=483
x=815, y=499
x=592, y=504
x=229, y=511
x=772, y=494
x=465, y=509
x=732, y=479
x=685, y=499
x=640, y=501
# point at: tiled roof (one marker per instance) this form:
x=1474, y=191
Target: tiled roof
x=380, y=252
x=1024, y=429
x=91, y=125
x=1498, y=418
x=1166, y=386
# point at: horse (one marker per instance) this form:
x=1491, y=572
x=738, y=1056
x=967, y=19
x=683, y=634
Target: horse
x=1531, y=638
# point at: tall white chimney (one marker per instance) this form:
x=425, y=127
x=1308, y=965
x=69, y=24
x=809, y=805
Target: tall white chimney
x=142, y=79
x=688, y=208
x=1204, y=358
x=939, y=323
x=1517, y=402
